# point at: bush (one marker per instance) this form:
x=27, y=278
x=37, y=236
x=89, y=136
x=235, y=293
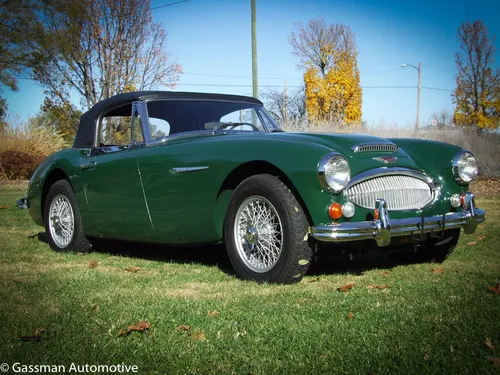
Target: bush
x=17, y=165
x=23, y=148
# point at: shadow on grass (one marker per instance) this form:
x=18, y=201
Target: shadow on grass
x=324, y=263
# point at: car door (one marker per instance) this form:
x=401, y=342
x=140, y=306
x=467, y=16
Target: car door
x=111, y=178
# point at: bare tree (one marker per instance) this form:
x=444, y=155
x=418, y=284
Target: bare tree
x=477, y=96
x=283, y=108
x=319, y=44
x=100, y=48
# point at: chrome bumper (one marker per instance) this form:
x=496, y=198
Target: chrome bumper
x=383, y=229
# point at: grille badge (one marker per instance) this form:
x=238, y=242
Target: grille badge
x=386, y=159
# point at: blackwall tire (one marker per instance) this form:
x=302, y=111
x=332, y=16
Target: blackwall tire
x=63, y=224
x=266, y=232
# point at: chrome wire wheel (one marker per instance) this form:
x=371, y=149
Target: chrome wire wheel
x=258, y=233
x=61, y=221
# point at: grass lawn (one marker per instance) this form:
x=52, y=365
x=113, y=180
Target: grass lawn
x=430, y=319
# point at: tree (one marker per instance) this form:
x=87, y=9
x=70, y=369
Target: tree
x=328, y=54
x=99, y=48
x=285, y=108
x=17, y=18
x=60, y=120
x=3, y=114
x=477, y=95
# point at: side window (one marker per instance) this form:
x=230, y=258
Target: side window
x=247, y=115
x=120, y=128
x=158, y=128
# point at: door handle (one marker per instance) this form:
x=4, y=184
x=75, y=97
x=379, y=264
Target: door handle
x=88, y=166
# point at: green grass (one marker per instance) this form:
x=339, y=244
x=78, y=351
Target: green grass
x=422, y=323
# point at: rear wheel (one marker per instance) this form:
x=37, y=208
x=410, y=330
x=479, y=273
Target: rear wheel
x=63, y=224
x=266, y=232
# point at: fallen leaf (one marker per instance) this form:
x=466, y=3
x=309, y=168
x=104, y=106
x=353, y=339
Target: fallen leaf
x=437, y=270
x=495, y=361
x=198, y=336
x=489, y=344
x=94, y=307
x=140, y=326
x=384, y=274
x=350, y=316
x=213, y=313
x=346, y=287
x=378, y=286
x=133, y=269
x=495, y=289
x=472, y=243
x=4, y=206
x=123, y=332
x=31, y=338
x=303, y=262
x=426, y=356
x=20, y=281
x=93, y=264
x=480, y=238
x=184, y=328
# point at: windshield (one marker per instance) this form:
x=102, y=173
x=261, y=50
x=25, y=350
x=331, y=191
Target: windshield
x=168, y=117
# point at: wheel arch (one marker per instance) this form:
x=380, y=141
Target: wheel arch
x=238, y=175
x=53, y=176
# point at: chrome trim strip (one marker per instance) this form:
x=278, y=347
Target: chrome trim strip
x=189, y=169
x=383, y=229
x=375, y=147
x=144, y=194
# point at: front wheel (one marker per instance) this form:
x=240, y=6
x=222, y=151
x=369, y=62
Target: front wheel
x=63, y=224
x=266, y=232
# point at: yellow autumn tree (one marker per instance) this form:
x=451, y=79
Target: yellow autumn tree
x=477, y=95
x=328, y=54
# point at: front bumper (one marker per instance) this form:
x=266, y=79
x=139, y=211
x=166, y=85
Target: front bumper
x=383, y=229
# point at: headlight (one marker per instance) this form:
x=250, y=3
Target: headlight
x=334, y=172
x=464, y=167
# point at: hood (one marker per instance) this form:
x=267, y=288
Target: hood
x=345, y=144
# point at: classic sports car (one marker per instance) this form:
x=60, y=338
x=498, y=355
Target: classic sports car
x=192, y=168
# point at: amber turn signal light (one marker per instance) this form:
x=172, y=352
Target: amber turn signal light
x=335, y=211
x=375, y=214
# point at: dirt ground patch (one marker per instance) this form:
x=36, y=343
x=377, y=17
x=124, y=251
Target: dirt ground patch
x=486, y=187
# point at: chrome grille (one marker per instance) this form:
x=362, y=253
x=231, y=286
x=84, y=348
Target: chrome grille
x=399, y=191
x=376, y=148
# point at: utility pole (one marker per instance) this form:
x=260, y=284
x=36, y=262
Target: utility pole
x=419, y=70
x=254, y=52
x=284, y=105
x=417, y=124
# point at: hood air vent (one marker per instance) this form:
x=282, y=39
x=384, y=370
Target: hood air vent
x=375, y=147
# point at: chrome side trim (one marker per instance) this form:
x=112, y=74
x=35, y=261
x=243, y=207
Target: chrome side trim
x=375, y=147
x=189, y=169
x=383, y=229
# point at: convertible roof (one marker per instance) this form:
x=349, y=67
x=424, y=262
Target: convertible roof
x=86, y=131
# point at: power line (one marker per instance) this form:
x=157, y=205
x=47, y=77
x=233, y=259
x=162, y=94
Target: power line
x=437, y=89
x=168, y=5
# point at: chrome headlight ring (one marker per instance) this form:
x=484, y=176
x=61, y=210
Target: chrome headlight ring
x=334, y=172
x=464, y=166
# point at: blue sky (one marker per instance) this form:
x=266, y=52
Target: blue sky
x=211, y=40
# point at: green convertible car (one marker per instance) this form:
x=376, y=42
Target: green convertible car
x=192, y=168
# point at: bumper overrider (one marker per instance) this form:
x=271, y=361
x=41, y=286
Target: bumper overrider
x=383, y=229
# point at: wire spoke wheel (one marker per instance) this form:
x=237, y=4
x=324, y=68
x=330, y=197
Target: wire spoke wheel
x=259, y=234
x=61, y=221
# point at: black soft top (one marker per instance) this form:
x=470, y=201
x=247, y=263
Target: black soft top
x=86, y=130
